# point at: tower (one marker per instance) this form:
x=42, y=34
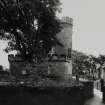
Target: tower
x=65, y=37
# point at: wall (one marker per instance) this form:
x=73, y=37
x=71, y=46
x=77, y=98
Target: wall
x=56, y=69
x=60, y=69
x=17, y=65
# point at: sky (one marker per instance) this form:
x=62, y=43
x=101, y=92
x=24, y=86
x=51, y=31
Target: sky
x=88, y=24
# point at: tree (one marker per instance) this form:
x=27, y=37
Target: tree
x=101, y=61
x=84, y=64
x=78, y=59
x=31, y=25
x=92, y=61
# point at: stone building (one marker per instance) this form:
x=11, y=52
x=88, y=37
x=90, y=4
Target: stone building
x=64, y=67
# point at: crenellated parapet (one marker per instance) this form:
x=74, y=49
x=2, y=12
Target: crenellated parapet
x=67, y=20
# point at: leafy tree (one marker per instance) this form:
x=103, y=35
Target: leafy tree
x=101, y=61
x=83, y=62
x=91, y=64
x=79, y=60
x=31, y=25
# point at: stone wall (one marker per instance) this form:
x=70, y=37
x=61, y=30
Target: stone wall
x=61, y=69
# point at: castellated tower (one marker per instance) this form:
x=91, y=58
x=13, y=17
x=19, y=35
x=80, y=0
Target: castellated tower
x=65, y=37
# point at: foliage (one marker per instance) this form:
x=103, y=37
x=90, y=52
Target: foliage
x=83, y=63
x=101, y=59
x=78, y=59
x=31, y=25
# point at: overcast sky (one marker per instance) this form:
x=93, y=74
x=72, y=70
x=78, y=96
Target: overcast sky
x=89, y=24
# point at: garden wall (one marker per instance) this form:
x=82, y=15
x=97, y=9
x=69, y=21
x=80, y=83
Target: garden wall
x=59, y=69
